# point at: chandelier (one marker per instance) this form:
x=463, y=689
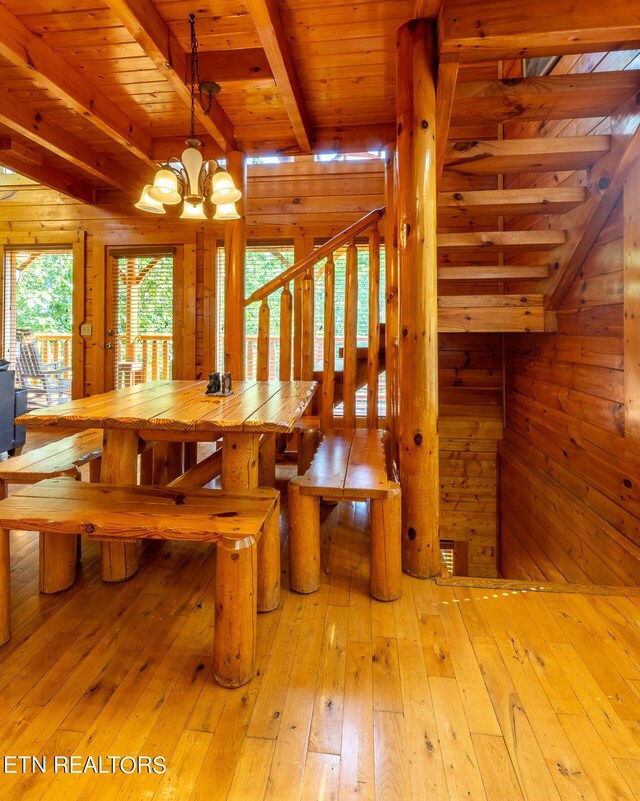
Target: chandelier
x=190, y=178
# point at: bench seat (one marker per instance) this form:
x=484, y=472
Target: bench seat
x=62, y=457
x=244, y=524
x=349, y=465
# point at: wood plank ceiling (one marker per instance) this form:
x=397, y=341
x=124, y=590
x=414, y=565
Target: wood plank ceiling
x=93, y=93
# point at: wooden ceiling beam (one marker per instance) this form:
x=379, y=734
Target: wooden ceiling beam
x=526, y=155
x=343, y=139
x=266, y=17
x=606, y=182
x=23, y=49
x=503, y=29
x=147, y=26
x=238, y=65
x=551, y=97
x=25, y=161
x=35, y=126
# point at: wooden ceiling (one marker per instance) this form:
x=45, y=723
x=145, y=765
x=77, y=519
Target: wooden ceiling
x=94, y=92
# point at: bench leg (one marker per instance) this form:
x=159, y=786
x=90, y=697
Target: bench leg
x=190, y=454
x=269, y=563
x=234, y=638
x=307, y=445
x=267, y=461
x=58, y=560
x=304, y=539
x=386, y=546
x=5, y=587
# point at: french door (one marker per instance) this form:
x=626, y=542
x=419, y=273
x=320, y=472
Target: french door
x=140, y=317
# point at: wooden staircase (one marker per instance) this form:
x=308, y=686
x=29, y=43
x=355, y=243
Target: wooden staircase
x=486, y=273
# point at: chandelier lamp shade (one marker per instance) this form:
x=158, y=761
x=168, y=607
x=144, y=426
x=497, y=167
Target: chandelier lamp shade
x=190, y=179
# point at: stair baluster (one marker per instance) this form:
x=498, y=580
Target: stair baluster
x=263, y=341
x=329, y=346
x=373, y=359
x=350, y=337
x=308, y=298
x=286, y=307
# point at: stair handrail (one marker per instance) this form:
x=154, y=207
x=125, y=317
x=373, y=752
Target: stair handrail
x=301, y=267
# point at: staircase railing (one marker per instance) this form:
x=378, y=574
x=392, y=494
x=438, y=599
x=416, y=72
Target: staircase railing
x=352, y=377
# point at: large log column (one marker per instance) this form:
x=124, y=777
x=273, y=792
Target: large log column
x=392, y=303
x=235, y=244
x=416, y=200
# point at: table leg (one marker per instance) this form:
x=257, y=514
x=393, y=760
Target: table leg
x=240, y=454
x=167, y=462
x=119, y=466
x=267, y=461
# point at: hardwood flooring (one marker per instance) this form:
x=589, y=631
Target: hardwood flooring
x=486, y=693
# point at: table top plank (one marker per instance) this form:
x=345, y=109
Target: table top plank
x=182, y=406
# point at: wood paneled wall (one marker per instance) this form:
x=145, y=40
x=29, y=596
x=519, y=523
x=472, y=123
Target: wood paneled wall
x=287, y=201
x=569, y=480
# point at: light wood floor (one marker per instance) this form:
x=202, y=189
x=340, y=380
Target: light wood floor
x=448, y=693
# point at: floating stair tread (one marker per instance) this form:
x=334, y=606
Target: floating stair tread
x=499, y=272
x=548, y=97
x=564, y=153
x=497, y=241
x=509, y=202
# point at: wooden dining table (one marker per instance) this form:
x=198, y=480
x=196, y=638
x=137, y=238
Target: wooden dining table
x=177, y=411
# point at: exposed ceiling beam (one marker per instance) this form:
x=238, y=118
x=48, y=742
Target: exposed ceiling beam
x=147, y=26
x=25, y=161
x=240, y=65
x=426, y=9
x=266, y=18
x=552, y=97
x=606, y=181
x=344, y=139
x=35, y=126
x=23, y=49
x=445, y=92
x=504, y=29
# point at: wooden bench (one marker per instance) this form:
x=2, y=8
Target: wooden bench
x=245, y=525
x=349, y=465
x=63, y=457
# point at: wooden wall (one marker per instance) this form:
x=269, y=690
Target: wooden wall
x=569, y=480
x=290, y=201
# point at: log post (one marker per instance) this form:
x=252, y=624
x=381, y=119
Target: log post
x=286, y=312
x=416, y=202
x=235, y=244
x=267, y=461
x=391, y=290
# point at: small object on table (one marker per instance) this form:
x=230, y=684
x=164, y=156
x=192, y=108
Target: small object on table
x=219, y=385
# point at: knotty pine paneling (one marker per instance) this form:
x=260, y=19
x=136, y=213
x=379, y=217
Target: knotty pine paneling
x=570, y=493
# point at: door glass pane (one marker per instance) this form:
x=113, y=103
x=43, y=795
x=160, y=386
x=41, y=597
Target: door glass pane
x=143, y=332
x=38, y=291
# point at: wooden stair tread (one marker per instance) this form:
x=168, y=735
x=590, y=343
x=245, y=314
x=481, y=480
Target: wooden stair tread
x=499, y=241
x=349, y=464
x=127, y=513
x=486, y=272
x=526, y=155
x=61, y=457
x=548, y=97
x=509, y=202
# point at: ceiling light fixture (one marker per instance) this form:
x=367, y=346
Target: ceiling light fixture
x=190, y=178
